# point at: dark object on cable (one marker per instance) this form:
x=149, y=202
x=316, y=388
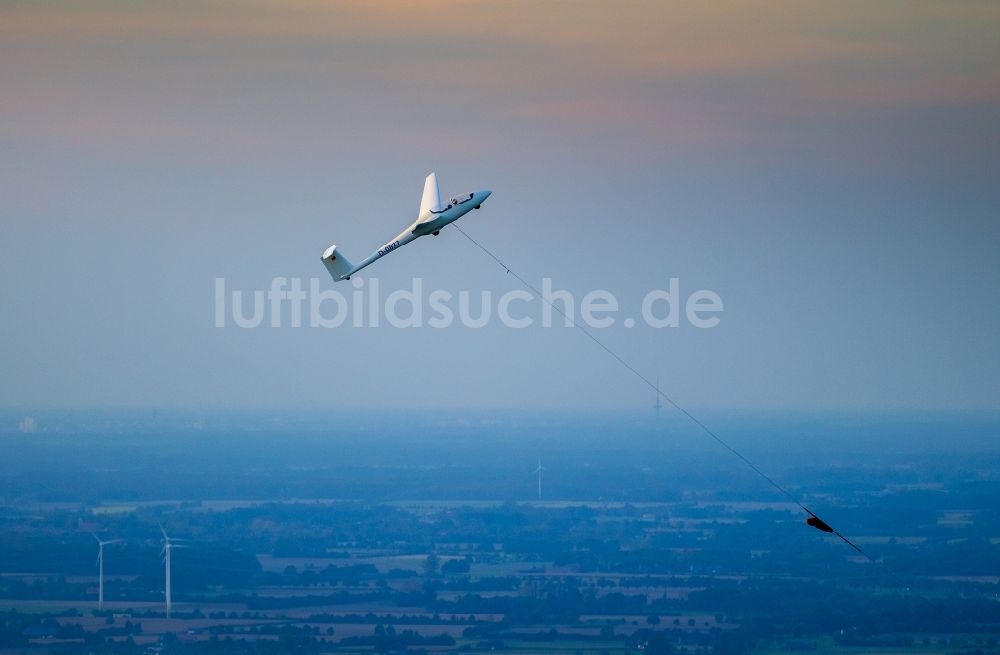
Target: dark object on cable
x=818, y=523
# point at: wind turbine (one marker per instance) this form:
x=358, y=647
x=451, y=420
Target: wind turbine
x=539, y=472
x=168, y=545
x=100, y=568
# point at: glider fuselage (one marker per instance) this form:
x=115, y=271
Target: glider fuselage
x=433, y=215
x=456, y=208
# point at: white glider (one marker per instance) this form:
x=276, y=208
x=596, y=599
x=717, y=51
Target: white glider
x=433, y=216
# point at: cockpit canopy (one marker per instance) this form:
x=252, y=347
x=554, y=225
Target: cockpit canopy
x=454, y=202
x=458, y=200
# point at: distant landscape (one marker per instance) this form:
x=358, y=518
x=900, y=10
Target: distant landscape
x=362, y=532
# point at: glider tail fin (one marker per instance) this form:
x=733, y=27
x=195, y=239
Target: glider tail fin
x=432, y=197
x=339, y=266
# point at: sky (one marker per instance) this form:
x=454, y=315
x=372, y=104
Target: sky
x=829, y=170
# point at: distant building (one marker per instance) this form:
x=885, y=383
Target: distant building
x=28, y=425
